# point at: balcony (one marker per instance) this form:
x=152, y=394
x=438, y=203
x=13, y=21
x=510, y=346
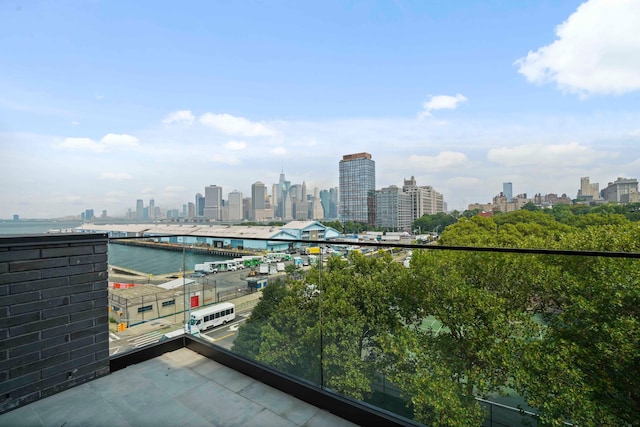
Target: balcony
x=105, y=359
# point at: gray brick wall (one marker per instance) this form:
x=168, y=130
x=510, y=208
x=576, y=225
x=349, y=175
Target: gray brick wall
x=54, y=331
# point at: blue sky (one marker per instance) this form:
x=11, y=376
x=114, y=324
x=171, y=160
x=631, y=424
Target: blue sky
x=105, y=102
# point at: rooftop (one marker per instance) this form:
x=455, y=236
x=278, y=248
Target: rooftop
x=180, y=387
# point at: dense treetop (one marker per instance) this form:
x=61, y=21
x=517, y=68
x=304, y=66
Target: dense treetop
x=562, y=332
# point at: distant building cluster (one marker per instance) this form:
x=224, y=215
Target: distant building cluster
x=622, y=190
x=356, y=199
x=390, y=208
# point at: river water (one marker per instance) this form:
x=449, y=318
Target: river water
x=145, y=260
x=154, y=261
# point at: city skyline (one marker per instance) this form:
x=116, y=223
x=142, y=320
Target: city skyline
x=159, y=102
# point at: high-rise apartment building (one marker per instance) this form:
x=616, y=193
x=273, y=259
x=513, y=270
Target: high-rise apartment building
x=425, y=200
x=357, y=188
x=213, y=202
x=393, y=209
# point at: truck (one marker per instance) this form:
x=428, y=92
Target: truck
x=264, y=269
x=280, y=266
x=297, y=261
x=273, y=269
x=206, y=268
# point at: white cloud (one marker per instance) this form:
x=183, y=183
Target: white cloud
x=235, y=145
x=174, y=188
x=441, y=102
x=547, y=155
x=74, y=123
x=444, y=160
x=232, y=125
x=278, y=151
x=182, y=117
x=463, y=182
x=81, y=144
x=116, y=176
x=120, y=140
x=109, y=140
x=226, y=159
x=597, y=51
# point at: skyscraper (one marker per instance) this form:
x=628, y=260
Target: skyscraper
x=507, y=190
x=235, y=206
x=393, y=209
x=258, y=197
x=324, y=198
x=213, y=202
x=282, y=198
x=139, y=209
x=199, y=205
x=357, y=188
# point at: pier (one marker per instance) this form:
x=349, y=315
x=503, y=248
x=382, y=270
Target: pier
x=222, y=252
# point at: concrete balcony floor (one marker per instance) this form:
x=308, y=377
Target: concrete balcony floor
x=179, y=388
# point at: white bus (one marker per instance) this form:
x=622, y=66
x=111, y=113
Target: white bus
x=210, y=317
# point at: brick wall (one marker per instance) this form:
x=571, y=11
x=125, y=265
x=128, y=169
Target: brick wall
x=54, y=331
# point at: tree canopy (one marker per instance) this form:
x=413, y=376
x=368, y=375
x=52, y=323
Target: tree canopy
x=563, y=332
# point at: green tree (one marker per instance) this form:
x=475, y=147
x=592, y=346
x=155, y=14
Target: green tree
x=586, y=367
x=249, y=338
x=436, y=222
x=463, y=311
x=332, y=319
x=564, y=331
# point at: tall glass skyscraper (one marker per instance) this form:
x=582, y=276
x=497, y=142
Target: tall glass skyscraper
x=507, y=190
x=357, y=188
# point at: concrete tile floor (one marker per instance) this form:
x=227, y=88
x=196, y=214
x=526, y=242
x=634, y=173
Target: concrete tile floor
x=180, y=388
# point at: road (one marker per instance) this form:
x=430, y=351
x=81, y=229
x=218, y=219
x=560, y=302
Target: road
x=222, y=336
x=228, y=281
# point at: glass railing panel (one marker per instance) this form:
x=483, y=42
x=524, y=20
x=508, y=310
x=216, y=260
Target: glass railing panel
x=442, y=337
x=156, y=283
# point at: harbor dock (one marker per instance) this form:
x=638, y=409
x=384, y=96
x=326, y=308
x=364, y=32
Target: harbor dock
x=205, y=250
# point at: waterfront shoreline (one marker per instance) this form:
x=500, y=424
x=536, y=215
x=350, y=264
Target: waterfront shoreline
x=177, y=247
x=119, y=274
